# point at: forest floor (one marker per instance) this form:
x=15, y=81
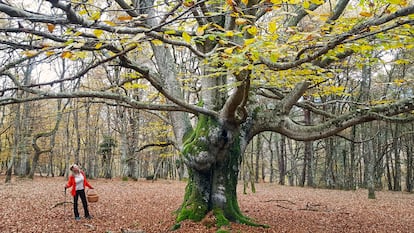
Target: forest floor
x=147, y=207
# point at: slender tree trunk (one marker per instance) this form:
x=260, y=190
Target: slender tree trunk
x=272, y=151
x=396, y=149
x=122, y=123
x=258, y=153
x=329, y=161
x=308, y=154
x=77, y=134
x=371, y=170
x=389, y=173
x=133, y=160
x=352, y=167
x=68, y=145
x=16, y=139
x=410, y=167
x=88, y=142
x=27, y=125
x=282, y=162
x=309, y=163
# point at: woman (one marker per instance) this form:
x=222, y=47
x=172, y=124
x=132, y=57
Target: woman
x=78, y=183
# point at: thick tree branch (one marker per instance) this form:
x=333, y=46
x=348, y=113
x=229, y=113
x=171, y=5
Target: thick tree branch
x=94, y=94
x=385, y=112
x=158, y=144
x=155, y=82
x=292, y=98
x=128, y=9
x=300, y=13
x=339, y=9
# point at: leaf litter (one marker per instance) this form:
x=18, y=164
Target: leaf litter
x=40, y=205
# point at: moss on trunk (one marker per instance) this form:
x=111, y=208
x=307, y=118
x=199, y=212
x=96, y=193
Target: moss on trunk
x=213, y=156
x=193, y=207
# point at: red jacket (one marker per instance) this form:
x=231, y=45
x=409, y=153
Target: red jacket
x=72, y=183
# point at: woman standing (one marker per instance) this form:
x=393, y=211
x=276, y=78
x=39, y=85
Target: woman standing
x=78, y=183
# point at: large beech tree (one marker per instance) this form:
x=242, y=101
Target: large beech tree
x=241, y=67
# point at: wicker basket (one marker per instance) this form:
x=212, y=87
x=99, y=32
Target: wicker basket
x=92, y=196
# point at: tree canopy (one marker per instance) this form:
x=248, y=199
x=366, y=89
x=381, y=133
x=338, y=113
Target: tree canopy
x=277, y=49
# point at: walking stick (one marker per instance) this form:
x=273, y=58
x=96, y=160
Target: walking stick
x=64, y=205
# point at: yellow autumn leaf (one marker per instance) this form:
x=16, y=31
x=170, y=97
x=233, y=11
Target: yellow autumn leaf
x=50, y=27
x=95, y=16
x=399, y=82
x=69, y=42
x=340, y=48
x=98, y=45
x=66, y=54
x=317, y=2
x=365, y=14
x=83, y=12
x=200, y=31
x=402, y=62
x=110, y=23
x=252, y=30
x=407, y=26
x=245, y=2
x=81, y=54
x=274, y=57
x=30, y=53
x=50, y=53
x=249, y=41
x=170, y=32
x=229, y=50
x=272, y=27
x=397, y=2
x=306, y=4
x=188, y=3
x=312, y=13
x=365, y=47
x=157, y=42
x=293, y=2
x=403, y=3
x=276, y=2
x=218, y=27
x=97, y=32
x=124, y=17
x=135, y=86
x=186, y=37
x=241, y=21
x=229, y=33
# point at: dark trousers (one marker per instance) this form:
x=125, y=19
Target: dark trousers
x=81, y=194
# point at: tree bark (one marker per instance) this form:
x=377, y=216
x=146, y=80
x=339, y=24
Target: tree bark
x=16, y=140
x=282, y=161
x=410, y=165
x=397, y=149
x=213, y=154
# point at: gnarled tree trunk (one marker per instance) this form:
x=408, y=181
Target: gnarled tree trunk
x=213, y=154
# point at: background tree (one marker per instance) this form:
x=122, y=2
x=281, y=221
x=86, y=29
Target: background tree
x=106, y=149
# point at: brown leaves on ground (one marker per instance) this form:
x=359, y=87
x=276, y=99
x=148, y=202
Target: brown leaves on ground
x=145, y=206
